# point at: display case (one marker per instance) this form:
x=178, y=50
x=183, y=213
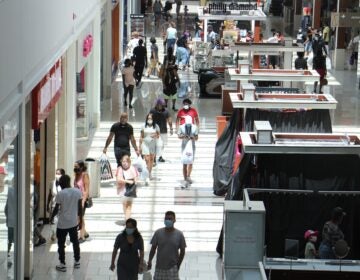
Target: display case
x=82, y=126
x=202, y=56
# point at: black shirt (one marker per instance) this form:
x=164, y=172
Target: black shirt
x=139, y=53
x=160, y=118
x=301, y=63
x=122, y=133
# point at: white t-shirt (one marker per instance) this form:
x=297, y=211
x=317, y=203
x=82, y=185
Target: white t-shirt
x=134, y=42
x=68, y=214
x=171, y=33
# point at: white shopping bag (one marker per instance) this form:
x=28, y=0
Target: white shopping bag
x=140, y=164
x=328, y=63
x=187, y=156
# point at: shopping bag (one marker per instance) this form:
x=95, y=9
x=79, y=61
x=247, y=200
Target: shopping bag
x=140, y=164
x=105, y=168
x=187, y=156
x=328, y=63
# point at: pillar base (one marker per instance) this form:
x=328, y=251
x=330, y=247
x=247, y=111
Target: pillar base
x=339, y=59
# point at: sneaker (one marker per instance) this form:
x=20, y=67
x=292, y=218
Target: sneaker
x=188, y=179
x=40, y=242
x=161, y=159
x=147, y=180
x=61, y=267
x=185, y=184
x=130, y=106
x=125, y=103
x=77, y=264
x=174, y=109
x=53, y=237
x=86, y=235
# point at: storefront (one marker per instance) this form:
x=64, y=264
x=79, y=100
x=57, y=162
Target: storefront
x=9, y=188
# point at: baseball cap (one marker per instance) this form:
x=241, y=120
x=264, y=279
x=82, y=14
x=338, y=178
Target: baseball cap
x=309, y=233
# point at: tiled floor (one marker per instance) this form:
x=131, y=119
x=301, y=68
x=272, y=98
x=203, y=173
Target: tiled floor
x=199, y=212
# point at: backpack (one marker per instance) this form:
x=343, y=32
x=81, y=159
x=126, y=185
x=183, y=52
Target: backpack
x=157, y=7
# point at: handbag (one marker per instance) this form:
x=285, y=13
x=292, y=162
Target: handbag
x=89, y=202
x=130, y=189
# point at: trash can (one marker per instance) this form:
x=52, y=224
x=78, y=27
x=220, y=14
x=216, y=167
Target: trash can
x=93, y=169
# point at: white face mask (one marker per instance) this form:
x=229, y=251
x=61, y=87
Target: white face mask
x=186, y=107
x=57, y=177
x=150, y=122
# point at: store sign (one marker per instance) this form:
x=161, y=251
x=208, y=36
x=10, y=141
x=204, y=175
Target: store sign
x=87, y=45
x=45, y=95
x=345, y=19
x=224, y=7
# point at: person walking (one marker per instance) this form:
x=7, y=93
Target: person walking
x=171, y=36
x=131, y=257
x=128, y=81
x=157, y=10
x=147, y=143
x=124, y=133
x=162, y=118
x=170, y=245
x=170, y=80
x=331, y=233
x=154, y=57
x=140, y=60
x=69, y=210
x=178, y=8
x=126, y=178
x=82, y=182
x=54, y=189
x=133, y=43
x=187, y=127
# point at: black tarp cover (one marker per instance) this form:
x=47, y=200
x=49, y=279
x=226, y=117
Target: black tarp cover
x=290, y=215
x=224, y=155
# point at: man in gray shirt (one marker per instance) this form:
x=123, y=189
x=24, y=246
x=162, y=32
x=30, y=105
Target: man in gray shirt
x=168, y=241
x=69, y=207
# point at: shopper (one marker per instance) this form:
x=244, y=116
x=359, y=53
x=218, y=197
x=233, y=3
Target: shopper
x=140, y=60
x=187, y=127
x=134, y=42
x=170, y=80
x=69, y=205
x=157, y=10
x=149, y=133
x=10, y=211
x=126, y=178
x=162, y=118
x=54, y=189
x=300, y=61
x=182, y=53
x=124, y=133
x=82, y=182
x=354, y=48
x=198, y=26
x=170, y=245
x=128, y=81
x=131, y=257
x=154, y=57
x=39, y=239
x=178, y=8
x=167, y=9
x=331, y=233
x=319, y=64
x=171, y=36
x=310, y=249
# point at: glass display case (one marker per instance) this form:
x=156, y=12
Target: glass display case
x=202, y=55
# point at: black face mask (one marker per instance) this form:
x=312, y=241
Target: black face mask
x=77, y=170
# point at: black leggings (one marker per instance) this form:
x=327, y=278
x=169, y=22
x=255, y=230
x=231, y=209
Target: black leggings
x=129, y=89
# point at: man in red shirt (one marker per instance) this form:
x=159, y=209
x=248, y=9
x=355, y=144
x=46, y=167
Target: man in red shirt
x=187, y=127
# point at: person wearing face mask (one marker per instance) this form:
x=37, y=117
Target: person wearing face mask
x=162, y=118
x=126, y=178
x=187, y=127
x=131, y=257
x=124, y=133
x=82, y=182
x=149, y=133
x=54, y=189
x=170, y=245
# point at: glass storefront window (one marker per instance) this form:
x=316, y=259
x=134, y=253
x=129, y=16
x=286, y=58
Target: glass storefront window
x=8, y=211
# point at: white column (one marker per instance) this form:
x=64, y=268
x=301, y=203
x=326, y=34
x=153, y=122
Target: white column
x=67, y=113
x=94, y=74
x=107, y=56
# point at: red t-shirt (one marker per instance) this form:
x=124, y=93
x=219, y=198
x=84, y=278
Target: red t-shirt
x=191, y=112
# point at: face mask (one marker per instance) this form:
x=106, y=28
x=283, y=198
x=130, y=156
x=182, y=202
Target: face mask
x=57, y=177
x=186, y=107
x=129, y=231
x=168, y=223
x=150, y=122
x=77, y=170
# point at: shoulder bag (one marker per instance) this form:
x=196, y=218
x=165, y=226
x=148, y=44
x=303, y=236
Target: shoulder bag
x=130, y=189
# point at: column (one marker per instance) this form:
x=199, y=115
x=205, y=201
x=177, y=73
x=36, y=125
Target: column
x=66, y=109
x=297, y=15
x=107, y=51
x=340, y=52
x=316, y=22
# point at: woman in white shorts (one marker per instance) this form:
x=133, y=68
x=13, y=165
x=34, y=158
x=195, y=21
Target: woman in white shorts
x=148, y=135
